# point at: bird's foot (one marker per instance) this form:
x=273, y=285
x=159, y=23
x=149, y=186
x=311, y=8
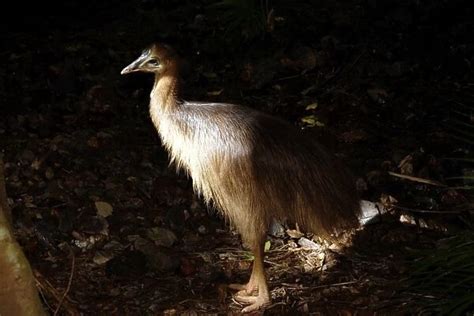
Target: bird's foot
x=244, y=289
x=248, y=294
x=256, y=302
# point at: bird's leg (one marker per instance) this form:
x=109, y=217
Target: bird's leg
x=250, y=287
x=257, y=281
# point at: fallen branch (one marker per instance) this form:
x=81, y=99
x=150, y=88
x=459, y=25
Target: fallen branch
x=417, y=179
x=48, y=290
x=73, y=263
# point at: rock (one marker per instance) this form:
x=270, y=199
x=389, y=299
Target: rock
x=162, y=236
x=277, y=229
x=308, y=244
x=369, y=212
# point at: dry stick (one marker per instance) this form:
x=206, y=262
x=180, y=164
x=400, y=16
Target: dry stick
x=416, y=179
x=290, y=286
x=40, y=291
x=73, y=262
x=46, y=288
x=414, y=210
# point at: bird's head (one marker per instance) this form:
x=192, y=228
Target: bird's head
x=157, y=59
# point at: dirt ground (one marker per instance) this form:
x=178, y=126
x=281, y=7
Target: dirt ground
x=387, y=85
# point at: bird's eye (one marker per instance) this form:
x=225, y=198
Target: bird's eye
x=153, y=62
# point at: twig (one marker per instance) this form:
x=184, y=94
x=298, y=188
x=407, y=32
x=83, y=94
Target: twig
x=47, y=289
x=290, y=77
x=413, y=210
x=73, y=263
x=45, y=286
x=276, y=304
x=290, y=286
x=43, y=297
x=417, y=179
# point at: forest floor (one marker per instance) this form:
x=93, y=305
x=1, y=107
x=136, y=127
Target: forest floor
x=104, y=220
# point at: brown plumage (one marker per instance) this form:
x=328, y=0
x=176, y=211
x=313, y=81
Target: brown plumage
x=251, y=166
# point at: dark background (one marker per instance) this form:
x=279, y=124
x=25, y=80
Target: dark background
x=389, y=85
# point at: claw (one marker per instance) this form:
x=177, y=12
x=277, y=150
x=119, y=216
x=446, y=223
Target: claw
x=256, y=302
x=259, y=303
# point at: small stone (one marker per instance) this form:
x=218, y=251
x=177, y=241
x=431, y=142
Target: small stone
x=309, y=244
x=49, y=173
x=202, y=229
x=162, y=236
x=277, y=229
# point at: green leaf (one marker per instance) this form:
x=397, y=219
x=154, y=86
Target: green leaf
x=268, y=244
x=312, y=106
x=311, y=121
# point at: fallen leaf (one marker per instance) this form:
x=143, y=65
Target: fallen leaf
x=268, y=244
x=312, y=106
x=215, y=93
x=311, y=121
x=294, y=233
x=102, y=257
x=104, y=209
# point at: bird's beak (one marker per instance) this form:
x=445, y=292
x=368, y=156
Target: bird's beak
x=135, y=66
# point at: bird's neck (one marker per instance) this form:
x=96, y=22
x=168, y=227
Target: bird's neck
x=164, y=96
x=164, y=100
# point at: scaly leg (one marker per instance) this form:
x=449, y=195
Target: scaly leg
x=257, y=281
x=249, y=288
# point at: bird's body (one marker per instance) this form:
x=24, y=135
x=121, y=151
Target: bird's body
x=252, y=167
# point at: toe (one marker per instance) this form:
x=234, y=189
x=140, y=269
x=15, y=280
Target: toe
x=244, y=289
x=245, y=298
x=259, y=304
x=237, y=287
